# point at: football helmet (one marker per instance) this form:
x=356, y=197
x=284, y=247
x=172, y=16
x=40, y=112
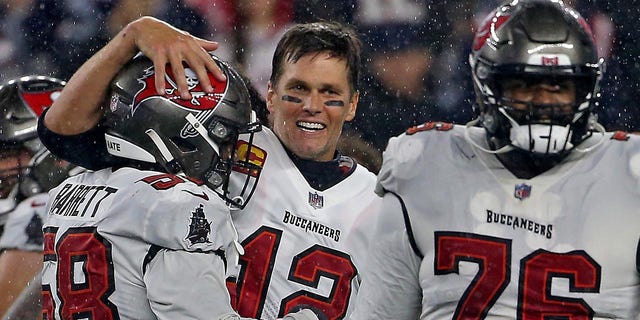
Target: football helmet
x=535, y=41
x=46, y=171
x=22, y=100
x=195, y=137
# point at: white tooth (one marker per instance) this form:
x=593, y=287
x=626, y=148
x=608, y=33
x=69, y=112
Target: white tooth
x=310, y=125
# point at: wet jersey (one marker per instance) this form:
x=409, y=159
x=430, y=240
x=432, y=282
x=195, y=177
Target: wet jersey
x=480, y=243
x=23, y=230
x=135, y=245
x=303, y=247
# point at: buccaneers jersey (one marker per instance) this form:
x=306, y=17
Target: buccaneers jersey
x=23, y=230
x=481, y=243
x=134, y=244
x=303, y=247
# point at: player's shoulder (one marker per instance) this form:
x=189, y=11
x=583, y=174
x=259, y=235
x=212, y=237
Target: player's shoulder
x=619, y=142
x=429, y=146
x=33, y=203
x=431, y=138
x=173, y=211
x=23, y=229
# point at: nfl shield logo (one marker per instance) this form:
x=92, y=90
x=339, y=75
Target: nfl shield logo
x=316, y=200
x=522, y=191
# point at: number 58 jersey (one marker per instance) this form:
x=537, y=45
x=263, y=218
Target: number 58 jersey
x=134, y=244
x=561, y=245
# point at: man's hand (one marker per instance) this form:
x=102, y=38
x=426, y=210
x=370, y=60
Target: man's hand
x=164, y=44
x=304, y=314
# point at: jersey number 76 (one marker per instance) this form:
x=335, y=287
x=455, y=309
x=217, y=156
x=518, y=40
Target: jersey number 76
x=493, y=257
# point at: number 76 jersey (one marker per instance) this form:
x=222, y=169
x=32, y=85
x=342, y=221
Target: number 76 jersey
x=561, y=245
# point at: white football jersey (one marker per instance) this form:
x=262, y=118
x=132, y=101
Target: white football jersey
x=303, y=247
x=134, y=244
x=23, y=230
x=480, y=243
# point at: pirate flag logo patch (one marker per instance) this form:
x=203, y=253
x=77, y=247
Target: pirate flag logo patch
x=199, y=228
x=34, y=231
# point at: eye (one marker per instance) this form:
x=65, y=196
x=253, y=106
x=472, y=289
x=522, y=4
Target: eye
x=298, y=88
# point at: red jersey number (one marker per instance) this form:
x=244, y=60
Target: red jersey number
x=249, y=293
x=493, y=256
x=84, y=275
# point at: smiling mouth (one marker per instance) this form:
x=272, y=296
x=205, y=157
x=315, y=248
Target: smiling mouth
x=310, y=126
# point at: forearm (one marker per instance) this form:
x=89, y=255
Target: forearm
x=80, y=106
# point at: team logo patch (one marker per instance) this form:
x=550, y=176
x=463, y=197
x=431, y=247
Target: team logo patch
x=199, y=228
x=252, y=154
x=522, y=191
x=316, y=200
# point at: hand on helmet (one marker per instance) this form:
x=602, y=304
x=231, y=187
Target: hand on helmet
x=164, y=44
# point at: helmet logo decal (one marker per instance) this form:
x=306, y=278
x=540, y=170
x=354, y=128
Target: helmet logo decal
x=488, y=27
x=201, y=103
x=549, y=61
x=200, y=100
x=38, y=101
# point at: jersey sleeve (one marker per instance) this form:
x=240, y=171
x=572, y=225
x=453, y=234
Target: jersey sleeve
x=396, y=159
x=87, y=149
x=390, y=287
x=23, y=230
x=172, y=212
x=188, y=285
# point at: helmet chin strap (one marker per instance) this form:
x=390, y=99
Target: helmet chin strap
x=600, y=129
x=164, y=151
x=473, y=123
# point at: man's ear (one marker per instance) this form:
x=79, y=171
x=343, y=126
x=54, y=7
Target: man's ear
x=270, y=96
x=353, y=105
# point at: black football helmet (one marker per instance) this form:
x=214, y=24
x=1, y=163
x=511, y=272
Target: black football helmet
x=534, y=41
x=195, y=137
x=22, y=100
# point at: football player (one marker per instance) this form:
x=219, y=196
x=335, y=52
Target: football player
x=27, y=172
x=305, y=233
x=532, y=215
x=151, y=236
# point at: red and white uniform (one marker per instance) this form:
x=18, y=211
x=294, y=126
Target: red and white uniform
x=23, y=229
x=134, y=244
x=479, y=243
x=303, y=247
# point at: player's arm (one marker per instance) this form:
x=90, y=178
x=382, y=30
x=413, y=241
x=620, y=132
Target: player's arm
x=187, y=285
x=80, y=105
x=192, y=285
x=28, y=305
x=17, y=269
x=390, y=288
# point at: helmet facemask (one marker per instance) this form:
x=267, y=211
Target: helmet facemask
x=542, y=128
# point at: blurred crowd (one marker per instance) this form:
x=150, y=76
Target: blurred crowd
x=415, y=50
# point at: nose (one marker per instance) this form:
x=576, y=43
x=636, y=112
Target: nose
x=313, y=104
